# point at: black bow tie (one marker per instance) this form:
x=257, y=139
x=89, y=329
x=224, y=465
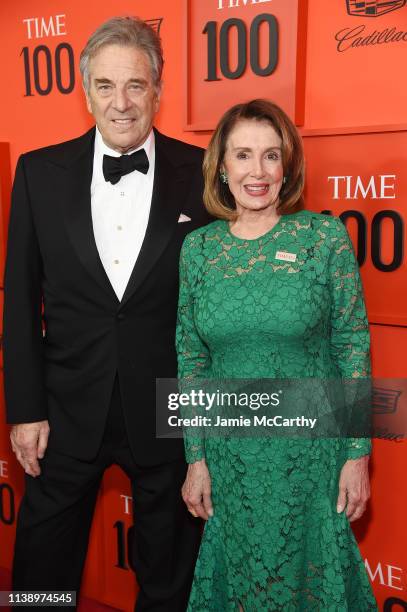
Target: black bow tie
x=116, y=167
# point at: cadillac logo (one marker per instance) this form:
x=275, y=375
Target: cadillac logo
x=385, y=400
x=373, y=8
x=155, y=24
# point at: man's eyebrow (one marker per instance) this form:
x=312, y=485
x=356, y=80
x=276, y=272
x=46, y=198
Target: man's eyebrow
x=104, y=80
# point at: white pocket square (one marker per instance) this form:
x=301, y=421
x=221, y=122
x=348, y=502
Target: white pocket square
x=183, y=218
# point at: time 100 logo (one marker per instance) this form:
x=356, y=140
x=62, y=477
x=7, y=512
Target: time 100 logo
x=218, y=47
x=44, y=69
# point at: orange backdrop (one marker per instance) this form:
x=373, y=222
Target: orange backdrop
x=340, y=75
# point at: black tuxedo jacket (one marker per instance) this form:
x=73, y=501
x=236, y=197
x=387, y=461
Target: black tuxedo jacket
x=55, y=282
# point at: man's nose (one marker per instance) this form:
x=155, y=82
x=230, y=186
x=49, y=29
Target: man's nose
x=121, y=100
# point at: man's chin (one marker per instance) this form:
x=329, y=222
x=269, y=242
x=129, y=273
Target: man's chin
x=123, y=143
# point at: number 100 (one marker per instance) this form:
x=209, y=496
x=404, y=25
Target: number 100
x=254, y=38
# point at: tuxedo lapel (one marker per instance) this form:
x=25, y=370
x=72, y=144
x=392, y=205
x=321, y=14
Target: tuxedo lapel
x=168, y=194
x=76, y=207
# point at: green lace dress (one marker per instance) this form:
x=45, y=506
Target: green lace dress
x=275, y=541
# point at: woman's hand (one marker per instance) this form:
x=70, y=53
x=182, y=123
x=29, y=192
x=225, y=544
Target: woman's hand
x=354, y=488
x=196, y=490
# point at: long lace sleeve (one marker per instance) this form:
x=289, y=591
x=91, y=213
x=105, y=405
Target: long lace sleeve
x=350, y=340
x=193, y=354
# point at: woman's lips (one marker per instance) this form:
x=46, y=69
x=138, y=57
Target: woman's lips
x=260, y=189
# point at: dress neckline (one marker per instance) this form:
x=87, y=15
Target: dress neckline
x=270, y=231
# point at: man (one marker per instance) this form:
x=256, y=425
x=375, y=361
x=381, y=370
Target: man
x=91, y=290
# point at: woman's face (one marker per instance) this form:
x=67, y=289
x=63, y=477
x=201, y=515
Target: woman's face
x=253, y=165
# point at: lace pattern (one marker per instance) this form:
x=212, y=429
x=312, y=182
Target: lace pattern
x=275, y=541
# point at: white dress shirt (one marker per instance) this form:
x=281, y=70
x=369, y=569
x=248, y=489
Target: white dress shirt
x=120, y=213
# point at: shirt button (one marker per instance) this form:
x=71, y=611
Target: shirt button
x=116, y=261
x=122, y=193
x=119, y=227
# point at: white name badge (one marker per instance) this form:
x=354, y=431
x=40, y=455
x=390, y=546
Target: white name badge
x=284, y=256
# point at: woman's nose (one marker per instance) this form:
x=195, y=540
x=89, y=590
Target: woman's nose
x=257, y=169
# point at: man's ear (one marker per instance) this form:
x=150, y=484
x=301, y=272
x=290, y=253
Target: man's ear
x=158, y=93
x=88, y=102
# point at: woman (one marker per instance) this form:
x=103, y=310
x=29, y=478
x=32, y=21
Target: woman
x=272, y=291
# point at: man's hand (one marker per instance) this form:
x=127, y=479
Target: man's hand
x=29, y=442
x=196, y=490
x=354, y=488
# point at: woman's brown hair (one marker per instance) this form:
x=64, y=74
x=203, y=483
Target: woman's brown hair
x=218, y=199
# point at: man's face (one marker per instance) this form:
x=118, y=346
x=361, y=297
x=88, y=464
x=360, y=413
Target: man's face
x=121, y=96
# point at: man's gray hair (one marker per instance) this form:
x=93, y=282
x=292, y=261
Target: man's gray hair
x=127, y=32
